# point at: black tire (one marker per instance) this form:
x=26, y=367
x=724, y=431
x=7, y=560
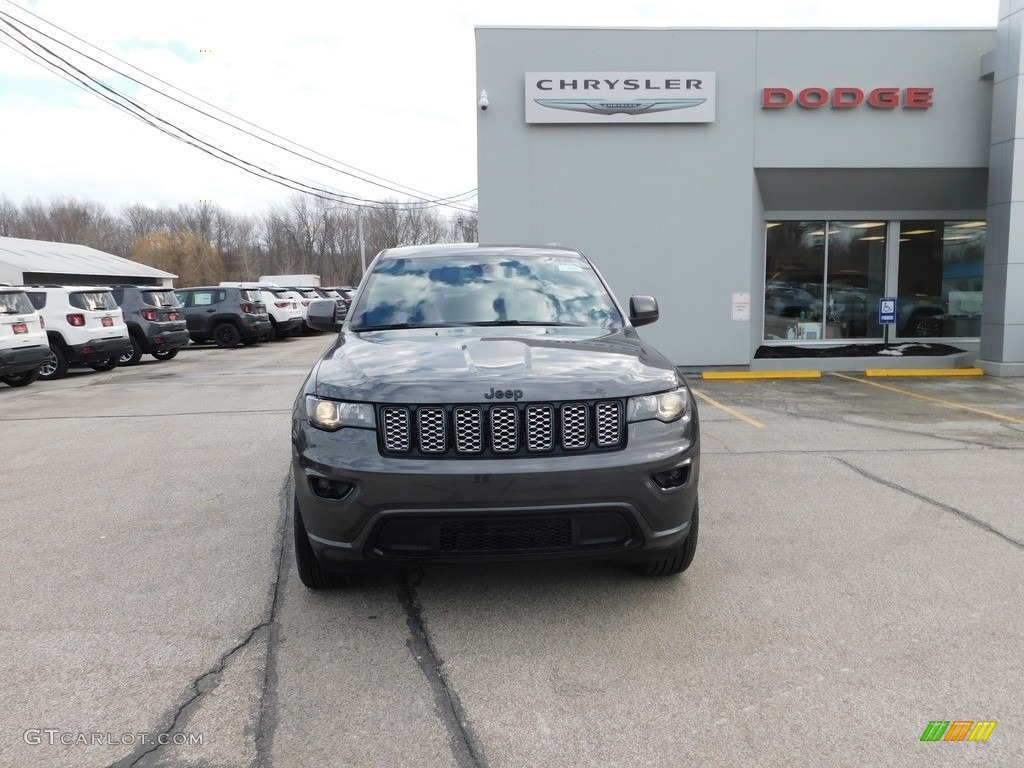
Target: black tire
x=105, y=365
x=311, y=574
x=679, y=559
x=22, y=379
x=226, y=336
x=56, y=367
x=924, y=326
x=137, y=351
x=164, y=354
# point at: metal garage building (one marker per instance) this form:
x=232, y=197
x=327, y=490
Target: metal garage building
x=37, y=262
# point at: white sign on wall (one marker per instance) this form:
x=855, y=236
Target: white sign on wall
x=620, y=97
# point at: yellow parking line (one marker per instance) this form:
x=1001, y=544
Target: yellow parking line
x=726, y=375
x=947, y=403
x=731, y=411
x=924, y=372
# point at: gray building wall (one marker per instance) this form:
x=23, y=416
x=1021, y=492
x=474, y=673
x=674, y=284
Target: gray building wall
x=678, y=210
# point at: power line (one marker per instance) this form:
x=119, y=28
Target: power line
x=229, y=157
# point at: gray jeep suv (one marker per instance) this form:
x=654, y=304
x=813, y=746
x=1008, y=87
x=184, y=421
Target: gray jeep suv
x=485, y=403
x=155, y=319
x=226, y=315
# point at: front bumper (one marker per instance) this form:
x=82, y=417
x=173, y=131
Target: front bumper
x=99, y=349
x=22, y=359
x=593, y=505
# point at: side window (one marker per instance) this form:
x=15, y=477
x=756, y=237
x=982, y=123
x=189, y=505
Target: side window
x=182, y=298
x=221, y=296
x=202, y=298
x=38, y=299
x=118, y=294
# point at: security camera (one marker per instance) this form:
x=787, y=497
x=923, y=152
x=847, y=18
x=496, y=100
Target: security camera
x=484, y=103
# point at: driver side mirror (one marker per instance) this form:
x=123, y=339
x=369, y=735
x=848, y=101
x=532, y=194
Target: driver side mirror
x=323, y=315
x=643, y=310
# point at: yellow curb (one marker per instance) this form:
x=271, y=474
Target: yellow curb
x=720, y=375
x=924, y=372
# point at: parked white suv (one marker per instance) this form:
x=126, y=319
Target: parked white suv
x=285, y=313
x=83, y=325
x=23, y=346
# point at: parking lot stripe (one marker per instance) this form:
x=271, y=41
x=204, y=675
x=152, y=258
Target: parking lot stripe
x=739, y=375
x=924, y=372
x=939, y=401
x=731, y=411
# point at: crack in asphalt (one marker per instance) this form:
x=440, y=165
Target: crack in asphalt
x=945, y=507
x=210, y=679
x=465, y=748
x=266, y=722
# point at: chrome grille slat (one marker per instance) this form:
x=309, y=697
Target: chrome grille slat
x=432, y=424
x=504, y=428
x=396, y=429
x=575, y=426
x=609, y=423
x=469, y=429
x=540, y=432
x=501, y=430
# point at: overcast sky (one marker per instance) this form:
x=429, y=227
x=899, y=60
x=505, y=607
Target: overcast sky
x=387, y=88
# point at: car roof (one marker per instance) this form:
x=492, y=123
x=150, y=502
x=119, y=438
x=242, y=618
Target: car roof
x=476, y=249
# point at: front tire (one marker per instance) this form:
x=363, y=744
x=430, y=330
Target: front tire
x=22, y=379
x=311, y=574
x=679, y=559
x=56, y=367
x=226, y=336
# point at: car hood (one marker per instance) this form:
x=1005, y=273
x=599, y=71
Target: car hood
x=438, y=365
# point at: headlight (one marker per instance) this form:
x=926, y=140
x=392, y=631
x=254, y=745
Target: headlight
x=332, y=415
x=668, y=406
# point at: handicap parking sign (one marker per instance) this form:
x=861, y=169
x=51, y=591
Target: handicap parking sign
x=887, y=310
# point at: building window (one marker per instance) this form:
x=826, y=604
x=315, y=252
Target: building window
x=823, y=280
x=940, y=278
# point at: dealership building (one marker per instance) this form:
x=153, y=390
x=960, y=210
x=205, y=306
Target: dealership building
x=778, y=190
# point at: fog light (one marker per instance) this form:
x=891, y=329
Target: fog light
x=673, y=478
x=333, y=490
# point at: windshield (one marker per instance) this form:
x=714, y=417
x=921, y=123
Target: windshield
x=15, y=303
x=160, y=298
x=430, y=291
x=94, y=301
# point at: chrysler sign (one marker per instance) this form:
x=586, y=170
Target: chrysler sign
x=620, y=97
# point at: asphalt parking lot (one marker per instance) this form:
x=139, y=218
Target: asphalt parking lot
x=860, y=574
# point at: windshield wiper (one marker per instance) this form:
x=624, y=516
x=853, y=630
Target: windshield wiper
x=518, y=322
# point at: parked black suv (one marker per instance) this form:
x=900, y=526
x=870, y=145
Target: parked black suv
x=485, y=403
x=155, y=319
x=225, y=314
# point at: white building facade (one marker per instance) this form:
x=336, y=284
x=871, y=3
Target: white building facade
x=773, y=188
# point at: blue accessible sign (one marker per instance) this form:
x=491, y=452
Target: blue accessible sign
x=887, y=310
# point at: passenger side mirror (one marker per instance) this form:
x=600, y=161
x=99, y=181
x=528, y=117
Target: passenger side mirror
x=323, y=315
x=643, y=310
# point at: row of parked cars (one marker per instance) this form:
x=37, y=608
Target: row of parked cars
x=46, y=329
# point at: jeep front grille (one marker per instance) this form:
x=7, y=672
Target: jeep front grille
x=501, y=430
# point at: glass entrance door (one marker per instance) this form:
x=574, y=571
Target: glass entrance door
x=823, y=280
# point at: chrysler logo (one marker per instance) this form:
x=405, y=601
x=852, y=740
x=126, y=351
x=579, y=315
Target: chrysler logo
x=634, y=107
